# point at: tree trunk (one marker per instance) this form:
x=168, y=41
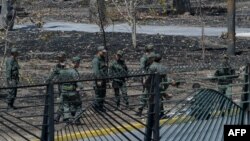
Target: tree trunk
x=4, y=12
x=134, y=33
x=182, y=6
x=133, y=22
x=97, y=7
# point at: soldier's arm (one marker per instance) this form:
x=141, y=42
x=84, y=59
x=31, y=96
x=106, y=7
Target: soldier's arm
x=76, y=76
x=95, y=67
x=9, y=63
x=113, y=69
x=126, y=67
x=142, y=63
x=54, y=73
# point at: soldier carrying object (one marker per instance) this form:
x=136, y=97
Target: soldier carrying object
x=146, y=85
x=54, y=75
x=71, y=98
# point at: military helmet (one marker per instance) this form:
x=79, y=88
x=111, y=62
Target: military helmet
x=76, y=59
x=149, y=47
x=120, y=52
x=158, y=57
x=101, y=48
x=14, y=50
x=151, y=55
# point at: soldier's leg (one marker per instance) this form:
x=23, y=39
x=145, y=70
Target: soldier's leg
x=143, y=102
x=78, y=108
x=97, y=97
x=11, y=93
x=161, y=107
x=124, y=93
x=72, y=102
x=229, y=95
x=59, y=111
x=117, y=96
x=66, y=106
x=143, y=99
x=116, y=87
x=222, y=90
x=103, y=95
x=228, y=91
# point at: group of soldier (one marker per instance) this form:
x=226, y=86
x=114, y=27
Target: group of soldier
x=70, y=105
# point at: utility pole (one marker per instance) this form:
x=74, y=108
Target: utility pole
x=231, y=26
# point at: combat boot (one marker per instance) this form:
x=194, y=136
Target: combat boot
x=77, y=122
x=57, y=118
x=139, y=112
x=11, y=106
x=67, y=121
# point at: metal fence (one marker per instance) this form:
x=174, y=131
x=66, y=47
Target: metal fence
x=191, y=114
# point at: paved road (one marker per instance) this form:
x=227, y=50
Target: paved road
x=145, y=29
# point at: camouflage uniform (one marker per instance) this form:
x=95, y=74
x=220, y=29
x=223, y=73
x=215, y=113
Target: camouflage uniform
x=71, y=99
x=100, y=70
x=156, y=67
x=225, y=76
x=119, y=68
x=54, y=75
x=145, y=62
x=12, y=75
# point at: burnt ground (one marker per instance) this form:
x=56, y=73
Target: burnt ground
x=38, y=52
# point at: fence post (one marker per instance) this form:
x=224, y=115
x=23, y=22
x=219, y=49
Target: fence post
x=48, y=118
x=153, y=110
x=246, y=93
x=157, y=101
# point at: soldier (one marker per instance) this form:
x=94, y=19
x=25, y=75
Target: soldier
x=225, y=76
x=119, y=68
x=144, y=64
x=100, y=70
x=157, y=67
x=71, y=99
x=60, y=65
x=55, y=73
x=12, y=75
x=146, y=84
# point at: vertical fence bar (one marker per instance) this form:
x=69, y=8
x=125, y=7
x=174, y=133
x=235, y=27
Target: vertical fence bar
x=153, y=110
x=157, y=102
x=150, y=120
x=231, y=26
x=246, y=94
x=48, y=118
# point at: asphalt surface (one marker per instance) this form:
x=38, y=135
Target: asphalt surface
x=141, y=29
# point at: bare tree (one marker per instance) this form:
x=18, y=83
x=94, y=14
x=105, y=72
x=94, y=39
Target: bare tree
x=129, y=15
x=7, y=19
x=97, y=12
